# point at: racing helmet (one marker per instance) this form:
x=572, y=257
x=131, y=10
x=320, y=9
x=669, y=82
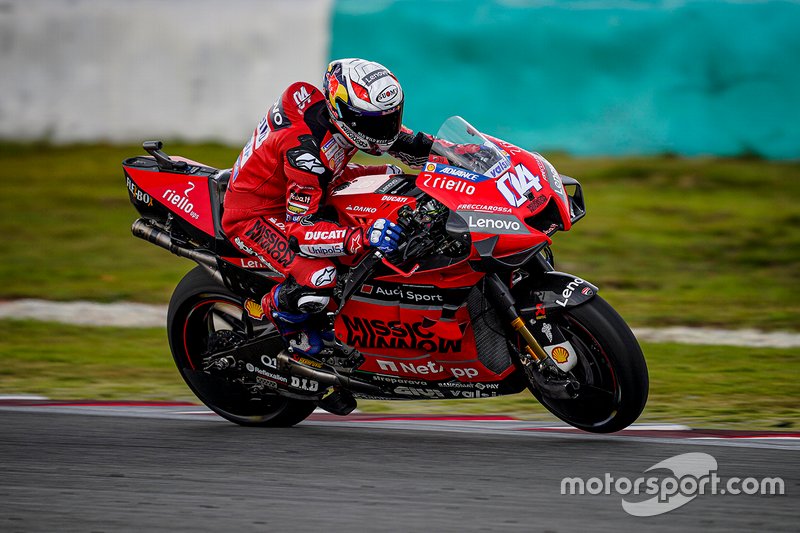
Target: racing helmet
x=365, y=102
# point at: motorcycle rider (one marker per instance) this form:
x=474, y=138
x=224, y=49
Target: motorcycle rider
x=274, y=208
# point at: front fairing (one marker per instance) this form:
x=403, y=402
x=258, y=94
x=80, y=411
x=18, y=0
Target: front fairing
x=498, y=191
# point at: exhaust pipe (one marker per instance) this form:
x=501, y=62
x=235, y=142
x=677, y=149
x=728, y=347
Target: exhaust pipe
x=142, y=229
x=327, y=378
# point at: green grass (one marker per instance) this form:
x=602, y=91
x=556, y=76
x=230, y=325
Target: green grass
x=703, y=386
x=667, y=240
x=68, y=362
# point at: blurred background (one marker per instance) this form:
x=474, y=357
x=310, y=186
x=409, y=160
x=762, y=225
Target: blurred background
x=680, y=119
x=587, y=77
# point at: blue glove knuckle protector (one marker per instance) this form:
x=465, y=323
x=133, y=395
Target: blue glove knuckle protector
x=385, y=235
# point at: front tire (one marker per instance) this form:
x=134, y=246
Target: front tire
x=199, y=308
x=611, y=370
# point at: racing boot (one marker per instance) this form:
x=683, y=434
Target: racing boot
x=303, y=333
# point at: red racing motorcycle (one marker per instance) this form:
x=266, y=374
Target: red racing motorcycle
x=470, y=305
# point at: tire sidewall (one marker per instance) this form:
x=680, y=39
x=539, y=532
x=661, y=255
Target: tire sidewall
x=198, y=284
x=624, y=356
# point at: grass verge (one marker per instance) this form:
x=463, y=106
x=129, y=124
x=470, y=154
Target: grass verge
x=703, y=386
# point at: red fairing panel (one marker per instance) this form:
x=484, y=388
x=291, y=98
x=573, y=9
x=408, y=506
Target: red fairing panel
x=185, y=195
x=357, y=202
x=537, y=166
x=496, y=206
x=402, y=341
x=247, y=262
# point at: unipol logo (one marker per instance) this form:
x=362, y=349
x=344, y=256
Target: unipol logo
x=515, y=183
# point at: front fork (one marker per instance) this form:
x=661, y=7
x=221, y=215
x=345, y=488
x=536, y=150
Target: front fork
x=504, y=301
x=539, y=367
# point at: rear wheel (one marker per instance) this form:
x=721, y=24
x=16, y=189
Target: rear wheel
x=202, y=311
x=611, y=370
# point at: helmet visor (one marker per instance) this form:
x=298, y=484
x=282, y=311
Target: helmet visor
x=380, y=127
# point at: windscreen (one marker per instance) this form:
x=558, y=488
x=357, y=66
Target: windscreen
x=465, y=147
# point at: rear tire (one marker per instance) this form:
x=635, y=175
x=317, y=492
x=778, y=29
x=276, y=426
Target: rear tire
x=199, y=307
x=611, y=369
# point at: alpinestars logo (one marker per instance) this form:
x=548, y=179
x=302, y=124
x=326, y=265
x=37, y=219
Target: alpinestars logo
x=323, y=277
x=355, y=242
x=309, y=162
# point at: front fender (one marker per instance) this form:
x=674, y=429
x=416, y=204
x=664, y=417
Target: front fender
x=553, y=292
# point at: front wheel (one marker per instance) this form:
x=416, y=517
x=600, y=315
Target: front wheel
x=611, y=370
x=202, y=311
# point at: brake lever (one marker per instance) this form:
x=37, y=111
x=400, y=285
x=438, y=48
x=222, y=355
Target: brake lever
x=388, y=263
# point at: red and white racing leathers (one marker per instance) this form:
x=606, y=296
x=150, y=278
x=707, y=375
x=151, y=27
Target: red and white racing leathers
x=279, y=184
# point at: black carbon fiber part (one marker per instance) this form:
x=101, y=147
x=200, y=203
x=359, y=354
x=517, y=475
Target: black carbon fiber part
x=492, y=345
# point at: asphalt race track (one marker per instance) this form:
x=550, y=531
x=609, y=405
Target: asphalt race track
x=133, y=467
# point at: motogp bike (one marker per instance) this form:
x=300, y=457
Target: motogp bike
x=469, y=306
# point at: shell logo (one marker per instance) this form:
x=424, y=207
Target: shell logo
x=560, y=354
x=253, y=309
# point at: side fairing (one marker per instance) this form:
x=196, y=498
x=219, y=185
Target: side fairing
x=186, y=195
x=399, y=331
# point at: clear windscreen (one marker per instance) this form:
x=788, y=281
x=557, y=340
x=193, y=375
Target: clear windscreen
x=465, y=147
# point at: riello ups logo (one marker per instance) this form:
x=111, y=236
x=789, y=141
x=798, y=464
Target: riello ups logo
x=366, y=333
x=181, y=201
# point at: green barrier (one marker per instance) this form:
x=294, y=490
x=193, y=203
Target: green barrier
x=590, y=77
